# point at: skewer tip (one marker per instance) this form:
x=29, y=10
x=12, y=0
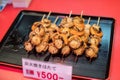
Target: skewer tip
x=48, y=15
x=89, y=20
x=70, y=14
x=81, y=14
x=43, y=17
x=98, y=21
x=76, y=59
x=56, y=19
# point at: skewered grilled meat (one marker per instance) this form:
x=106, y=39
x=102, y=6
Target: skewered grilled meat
x=31, y=34
x=66, y=22
x=78, y=23
x=85, y=38
x=41, y=47
x=74, y=44
x=46, y=23
x=87, y=29
x=81, y=49
x=96, y=30
x=79, y=27
x=78, y=20
x=94, y=40
x=65, y=31
x=58, y=43
x=72, y=33
x=92, y=51
x=46, y=37
x=55, y=36
x=95, y=48
x=52, y=49
x=35, y=25
x=54, y=27
x=74, y=41
x=64, y=38
x=35, y=40
x=28, y=46
x=40, y=31
x=68, y=25
x=65, y=50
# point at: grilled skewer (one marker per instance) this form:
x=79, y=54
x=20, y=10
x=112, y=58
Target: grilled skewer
x=95, y=39
x=71, y=35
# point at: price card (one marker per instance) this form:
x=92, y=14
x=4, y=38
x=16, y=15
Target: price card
x=46, y=70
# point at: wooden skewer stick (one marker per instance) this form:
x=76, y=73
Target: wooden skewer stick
x=76, y=58
x=70, y=14
x=56, y=20
x=98, y=21
x=81, y=14
x=48, y=15
x=43, y=17
x=90, y=60
x=62, y=59
x=89, y=20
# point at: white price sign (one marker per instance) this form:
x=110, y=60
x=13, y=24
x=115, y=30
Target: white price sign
x=46, y=70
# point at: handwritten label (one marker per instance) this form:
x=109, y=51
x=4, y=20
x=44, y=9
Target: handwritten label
x=46, y=70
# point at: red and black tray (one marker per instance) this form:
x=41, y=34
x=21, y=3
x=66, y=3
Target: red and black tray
x=12, y=50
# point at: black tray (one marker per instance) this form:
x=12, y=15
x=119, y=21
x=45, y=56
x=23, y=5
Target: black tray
x=21, y=26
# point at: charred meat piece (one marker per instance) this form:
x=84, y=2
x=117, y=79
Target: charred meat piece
x=40, y=31
x=28, y=46
x=46, y=23
x=87, y=29
x=52, y=49
x=74, y=44
x=78, y=20
x=58, y=43
x=66, y=22
x=46, y=37
x=31, y=34
x=92, y=51
x=36, y=40
x=96, y=30
x=35, y=25
x=41, y=47
x=65, y=50
x=80, y=50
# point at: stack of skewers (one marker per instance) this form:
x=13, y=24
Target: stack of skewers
x=72, y=34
